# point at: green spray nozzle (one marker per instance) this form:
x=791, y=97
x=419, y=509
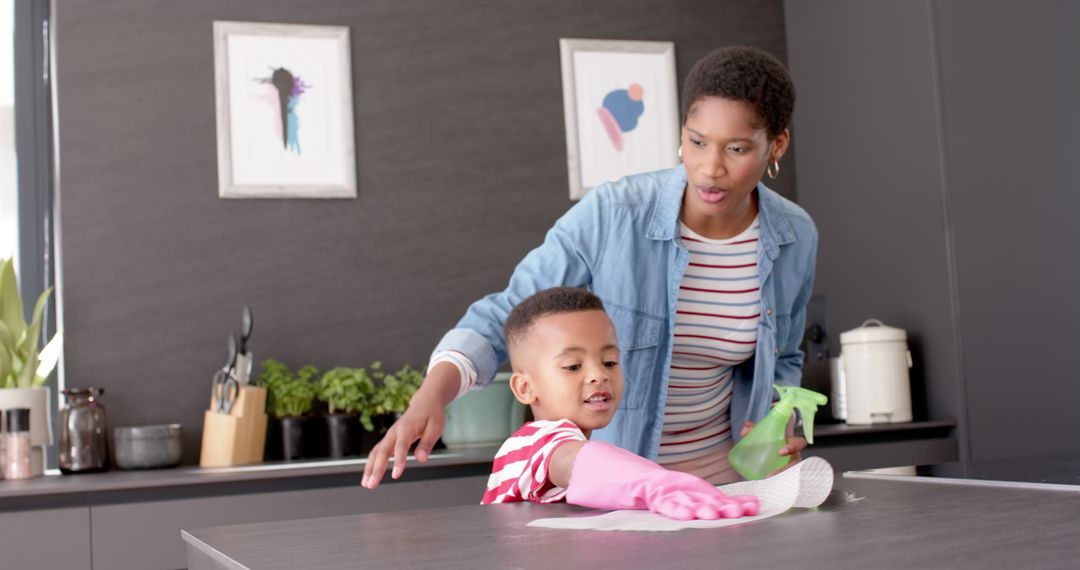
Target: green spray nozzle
x=807, y=402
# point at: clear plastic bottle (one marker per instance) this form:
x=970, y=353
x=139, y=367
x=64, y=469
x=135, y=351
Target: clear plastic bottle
x=17, y=444
x=758, y=454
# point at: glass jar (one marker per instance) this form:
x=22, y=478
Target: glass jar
x=82, y=447
x=16, y=445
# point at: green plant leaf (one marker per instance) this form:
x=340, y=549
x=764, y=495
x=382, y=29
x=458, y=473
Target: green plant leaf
x=7, y=373
x=28, y=346
x=7, y=338
x=35, y=323
x=11, y=310
x=48, y=357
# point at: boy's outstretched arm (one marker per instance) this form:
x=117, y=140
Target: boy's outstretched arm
x=562, y=463
x=601, y=475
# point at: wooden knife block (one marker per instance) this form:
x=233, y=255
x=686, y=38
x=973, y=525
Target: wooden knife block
x=236, y=438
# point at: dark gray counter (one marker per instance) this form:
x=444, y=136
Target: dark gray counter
x=1058, y=469
x=879, y=524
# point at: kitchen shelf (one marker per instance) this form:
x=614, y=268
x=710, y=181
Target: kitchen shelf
x=54, y=489
x=843, y=432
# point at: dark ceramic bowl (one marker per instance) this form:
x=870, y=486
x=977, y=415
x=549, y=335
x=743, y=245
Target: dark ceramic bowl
x=147, y=447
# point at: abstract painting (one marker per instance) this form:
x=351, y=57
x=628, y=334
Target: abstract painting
x=621, y=107
x=284, y=111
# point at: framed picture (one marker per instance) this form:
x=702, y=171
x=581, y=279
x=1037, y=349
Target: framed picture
x=621, y=106
x=284, y=111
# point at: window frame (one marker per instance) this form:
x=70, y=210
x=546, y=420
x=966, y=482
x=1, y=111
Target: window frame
x=35, y=154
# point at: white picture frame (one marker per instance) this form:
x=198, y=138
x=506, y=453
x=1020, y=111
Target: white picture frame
x=283, y=95
x=613, y=129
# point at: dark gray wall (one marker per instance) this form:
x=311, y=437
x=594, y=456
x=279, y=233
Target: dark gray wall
x=1009, y=91
x=934, y=144
x=461, y=169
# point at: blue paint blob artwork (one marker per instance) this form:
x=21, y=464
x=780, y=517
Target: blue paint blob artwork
x=620, y=111
x=289, y=87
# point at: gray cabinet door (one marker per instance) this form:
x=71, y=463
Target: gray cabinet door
x=48, y=538
x=146, y=535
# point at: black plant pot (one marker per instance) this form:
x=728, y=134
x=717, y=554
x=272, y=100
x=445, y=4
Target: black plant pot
x=381, y=422
x=292, y=437
x=343, y=435
x=272, y=447
x=315, y=438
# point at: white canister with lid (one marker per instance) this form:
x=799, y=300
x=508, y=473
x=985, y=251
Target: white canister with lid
x=875, y=360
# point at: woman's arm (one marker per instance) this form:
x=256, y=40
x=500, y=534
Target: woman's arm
x=423, y=419
x=565, y=258
x=789, y=361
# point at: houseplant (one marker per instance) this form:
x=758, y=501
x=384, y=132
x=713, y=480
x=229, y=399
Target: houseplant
x=289, y=398
x=393, y=393
x=23, y=369
x=347, y=393
x=393, y=390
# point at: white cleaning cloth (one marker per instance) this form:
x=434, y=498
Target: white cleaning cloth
x=805, y=485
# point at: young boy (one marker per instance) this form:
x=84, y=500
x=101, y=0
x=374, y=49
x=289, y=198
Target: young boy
x=565, y=364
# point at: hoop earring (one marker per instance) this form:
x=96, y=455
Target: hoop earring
x=680, y=152
x=773, y=170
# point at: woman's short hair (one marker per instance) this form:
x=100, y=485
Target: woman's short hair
x=743, y=73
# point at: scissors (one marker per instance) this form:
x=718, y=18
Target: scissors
x=244, y=358
x=225, y=388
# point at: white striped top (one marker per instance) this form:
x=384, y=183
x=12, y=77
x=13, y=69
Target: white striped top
x=716, y=320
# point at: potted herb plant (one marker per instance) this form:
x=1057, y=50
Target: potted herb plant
x=347, y=393
x=394, y=391
x=392, y=394
x=289, y=398
x=23, y=369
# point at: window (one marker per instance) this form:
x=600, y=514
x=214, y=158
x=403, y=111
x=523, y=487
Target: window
x=26, y=161
x=9, y=202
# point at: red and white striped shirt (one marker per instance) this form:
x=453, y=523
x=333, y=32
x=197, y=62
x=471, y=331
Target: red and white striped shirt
x=716, y=319
x=520, y=470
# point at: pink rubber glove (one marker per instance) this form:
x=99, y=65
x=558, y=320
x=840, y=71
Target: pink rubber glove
x=608, y=477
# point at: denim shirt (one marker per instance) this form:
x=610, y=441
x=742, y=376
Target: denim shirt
x=622, y=243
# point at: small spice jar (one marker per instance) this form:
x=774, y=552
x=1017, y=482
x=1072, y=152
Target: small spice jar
x=16, y=456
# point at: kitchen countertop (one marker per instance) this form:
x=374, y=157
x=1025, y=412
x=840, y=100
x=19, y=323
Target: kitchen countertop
x=1058, y=469
x=865, y=523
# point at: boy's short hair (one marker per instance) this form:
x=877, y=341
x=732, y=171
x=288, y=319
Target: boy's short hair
x=548, y=302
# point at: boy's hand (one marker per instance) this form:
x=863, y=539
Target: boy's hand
x=424, y=420
x=794, y=447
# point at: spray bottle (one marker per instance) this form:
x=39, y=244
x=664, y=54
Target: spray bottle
x=758, y=454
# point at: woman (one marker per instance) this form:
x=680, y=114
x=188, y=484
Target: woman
x=703, y=269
